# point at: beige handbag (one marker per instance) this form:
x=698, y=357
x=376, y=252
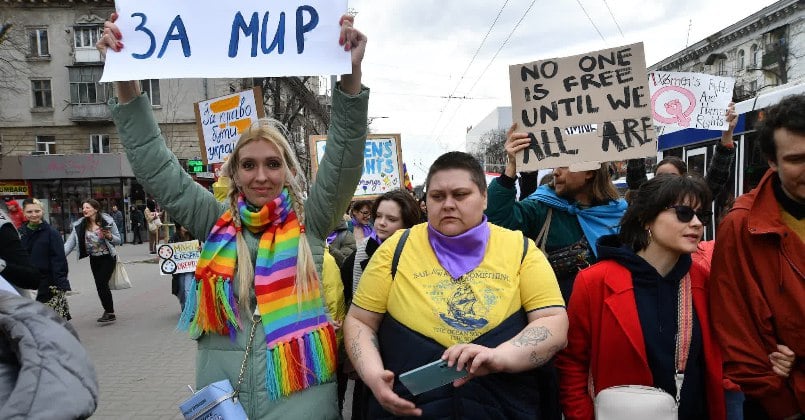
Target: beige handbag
x=645, y=402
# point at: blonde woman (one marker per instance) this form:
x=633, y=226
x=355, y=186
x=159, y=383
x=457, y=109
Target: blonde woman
x=264, y=245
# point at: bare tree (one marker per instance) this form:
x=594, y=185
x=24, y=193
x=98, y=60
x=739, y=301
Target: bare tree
x=491, y=150
x=291, y=102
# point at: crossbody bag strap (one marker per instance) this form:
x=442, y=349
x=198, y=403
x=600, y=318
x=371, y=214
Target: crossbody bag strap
x=395, y=260
x=542, y=236
x=255, y=319
x=684, y=333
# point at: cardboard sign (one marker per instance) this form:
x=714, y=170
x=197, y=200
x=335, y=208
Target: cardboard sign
x=382, y=164
x=582, y=110
x=689, y=100
x=221, y=120
x=178, y=257
x=227, y=39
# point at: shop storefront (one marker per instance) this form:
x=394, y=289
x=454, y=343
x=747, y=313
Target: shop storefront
x=62, y=183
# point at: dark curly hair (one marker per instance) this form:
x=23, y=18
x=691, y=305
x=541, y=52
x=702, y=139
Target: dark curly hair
x=655, y=196
x=409, y=208
x=788, y=114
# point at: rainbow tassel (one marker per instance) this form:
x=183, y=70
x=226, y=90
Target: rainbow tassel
x=301, y=363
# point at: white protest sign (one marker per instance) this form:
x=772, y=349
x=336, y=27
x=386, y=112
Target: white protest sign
x=178, y=257
x=382, y=164
x=585, y=109
x=689, y=100
x=222, y=39
x=222, y=120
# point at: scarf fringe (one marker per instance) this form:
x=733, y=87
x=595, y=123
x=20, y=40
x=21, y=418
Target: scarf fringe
x=211, y=307
x=301, y=363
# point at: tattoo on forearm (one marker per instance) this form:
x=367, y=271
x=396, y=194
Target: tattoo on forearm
x=540, y=359
x=531, y=336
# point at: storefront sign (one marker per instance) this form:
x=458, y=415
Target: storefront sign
x=14, y=189
x=86, y=165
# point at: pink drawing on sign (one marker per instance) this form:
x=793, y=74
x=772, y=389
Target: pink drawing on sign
x=676, y=115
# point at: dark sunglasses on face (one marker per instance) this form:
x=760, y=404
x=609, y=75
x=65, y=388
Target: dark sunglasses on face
x=685, y=214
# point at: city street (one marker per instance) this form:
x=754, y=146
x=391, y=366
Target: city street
x=143, y=364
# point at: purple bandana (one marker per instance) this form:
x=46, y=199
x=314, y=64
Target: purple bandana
x=462, y=253
x=367, y=229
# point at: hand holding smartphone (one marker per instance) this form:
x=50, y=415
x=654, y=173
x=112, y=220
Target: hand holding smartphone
x=430, y=376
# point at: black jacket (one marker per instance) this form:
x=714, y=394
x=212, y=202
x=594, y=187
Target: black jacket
x=19, y=271
x=46, y=249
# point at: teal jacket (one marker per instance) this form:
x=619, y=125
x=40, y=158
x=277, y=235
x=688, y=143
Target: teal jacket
x=528, y=216
x=158, y=170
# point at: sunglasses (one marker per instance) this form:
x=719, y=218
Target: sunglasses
x=685, y=214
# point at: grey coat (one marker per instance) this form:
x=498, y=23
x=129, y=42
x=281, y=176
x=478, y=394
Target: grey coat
x=45, y=373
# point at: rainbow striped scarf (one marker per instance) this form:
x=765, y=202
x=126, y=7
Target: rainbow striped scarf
x=300, y=341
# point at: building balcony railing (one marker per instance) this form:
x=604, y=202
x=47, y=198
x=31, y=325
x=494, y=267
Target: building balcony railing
x=90, y=113
x=87, y=55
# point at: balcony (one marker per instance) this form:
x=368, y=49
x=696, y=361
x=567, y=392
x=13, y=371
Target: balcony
x=90, y=113
x=773, y=56
x=87, y=55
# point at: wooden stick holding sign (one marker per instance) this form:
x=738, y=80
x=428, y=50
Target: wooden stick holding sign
x=585, y=109
x=221, y=121
x=222, y=39
x=382, y=164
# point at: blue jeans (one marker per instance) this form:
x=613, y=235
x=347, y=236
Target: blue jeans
x=735, y=405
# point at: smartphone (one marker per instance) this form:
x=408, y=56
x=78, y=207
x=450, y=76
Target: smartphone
x=430, y=376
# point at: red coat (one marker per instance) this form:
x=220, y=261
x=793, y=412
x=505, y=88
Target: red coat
x=605, y=340
x=757, y=290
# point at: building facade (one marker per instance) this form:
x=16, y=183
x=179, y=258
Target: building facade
x=56, y=132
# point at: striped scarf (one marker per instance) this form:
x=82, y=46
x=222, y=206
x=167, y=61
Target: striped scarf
x=300, y=341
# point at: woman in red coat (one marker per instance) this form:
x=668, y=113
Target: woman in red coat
x=624, y=310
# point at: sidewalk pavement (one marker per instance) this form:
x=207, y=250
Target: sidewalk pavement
x=143, y=364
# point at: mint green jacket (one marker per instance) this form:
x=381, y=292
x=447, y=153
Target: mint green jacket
x=159, y=172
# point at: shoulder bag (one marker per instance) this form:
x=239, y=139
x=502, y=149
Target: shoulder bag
x=567, y=260
x=645, y=402
x=219, y=400
x=120, y=278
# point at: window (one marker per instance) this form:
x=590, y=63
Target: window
x=84, y=85
x=86, y=36
x=151, y=87
x=722, y=67
x=741, y=60
x=753, y=86
x=45, y=145
x=38, y=42
x=753, y=55
x=99, y=143
x=42, y=94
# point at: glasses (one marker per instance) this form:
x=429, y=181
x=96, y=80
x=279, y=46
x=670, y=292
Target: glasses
x=365, y=212
x=685, y=214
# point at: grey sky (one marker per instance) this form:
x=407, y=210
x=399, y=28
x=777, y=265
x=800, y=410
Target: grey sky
x=419, y=49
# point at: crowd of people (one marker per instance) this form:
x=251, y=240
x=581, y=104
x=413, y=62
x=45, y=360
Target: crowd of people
x=550, y=304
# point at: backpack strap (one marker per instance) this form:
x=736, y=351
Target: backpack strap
x=525, y=249
x=397, y=252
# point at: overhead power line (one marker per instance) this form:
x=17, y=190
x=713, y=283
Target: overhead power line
x=466, y=69
x=492, y=60
x=591, y=20
x=613, y=19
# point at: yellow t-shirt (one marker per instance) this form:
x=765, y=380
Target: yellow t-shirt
x=333, y=291
x=426, y=299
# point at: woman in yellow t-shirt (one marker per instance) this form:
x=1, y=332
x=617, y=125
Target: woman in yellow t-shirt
x=476, y=295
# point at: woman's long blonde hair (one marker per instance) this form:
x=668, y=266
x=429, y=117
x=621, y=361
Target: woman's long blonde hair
x=270, y=131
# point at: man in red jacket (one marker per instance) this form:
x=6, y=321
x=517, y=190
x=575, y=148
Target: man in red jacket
x=757, y=289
